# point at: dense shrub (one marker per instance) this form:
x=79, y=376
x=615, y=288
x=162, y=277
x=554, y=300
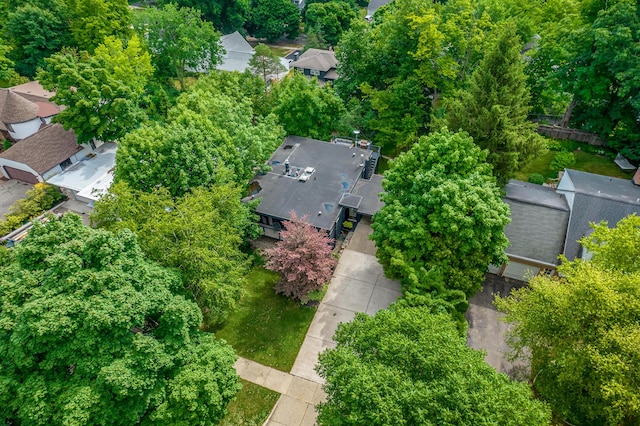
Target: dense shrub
x=38, y=200
x=562, y=160
x=536, y=178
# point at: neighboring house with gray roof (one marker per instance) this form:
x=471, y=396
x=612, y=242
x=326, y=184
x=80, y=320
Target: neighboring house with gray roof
x=238, y=53
x=536, y=233
x=317, y=63
x=546, y=223
x=594, y=198
x=327, y=182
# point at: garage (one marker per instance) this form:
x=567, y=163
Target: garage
x=519, y=271
x=18, y=174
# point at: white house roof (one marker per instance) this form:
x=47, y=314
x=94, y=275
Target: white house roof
x=238, y=53
x=90, y=173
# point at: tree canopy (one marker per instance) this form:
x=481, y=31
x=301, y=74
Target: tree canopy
x=179, y=40
x=406, y=366
x=304, y=108
x=37, y=33
x=272, y=19
x=211, y=135
x=101, y=92
x=226, y=15
x=265, y=63
x=330, y=19
x=494, y=108
x=443, y=219
x=93, y=20
x=200, y=234
x=93, y=333
x=582, y=330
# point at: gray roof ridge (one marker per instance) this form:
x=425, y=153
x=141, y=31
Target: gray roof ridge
x=609, y=197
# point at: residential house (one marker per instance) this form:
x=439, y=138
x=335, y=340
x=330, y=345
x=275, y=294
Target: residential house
x=537, y=231
x=317, y=63
x=594, y=198
x=238, y=53
x=46, y=152
x=546, y=223
x=326, y=182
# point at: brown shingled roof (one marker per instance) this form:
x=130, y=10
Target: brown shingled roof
x=45, y=149
x=16, y=109
x=316, y=59
x=47, y=109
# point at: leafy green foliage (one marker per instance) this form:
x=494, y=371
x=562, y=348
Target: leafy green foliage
x=199, y=233
x=304, y=108
x=101, y=92
x=226, y=15
x=272, y=19
x=494, y=108
x=8, y=76
x=38, y=200
x=562, y=160
x=331, y=19
x=94, y=20
x=92, y=333
x=582, y=330
x=178, y=39
x=536, y=178
x=405, y=366
x=265, y=63
x=211, y=135
x=443, y=219
x=36, y=33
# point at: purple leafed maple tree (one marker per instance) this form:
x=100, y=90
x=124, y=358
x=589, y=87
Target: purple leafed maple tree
x=303, y=257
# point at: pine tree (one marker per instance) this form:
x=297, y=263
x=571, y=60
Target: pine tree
x=494, y=108
x=303, y=257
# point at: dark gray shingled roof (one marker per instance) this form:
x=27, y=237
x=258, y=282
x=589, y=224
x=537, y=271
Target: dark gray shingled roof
x=370, y=191
x=597, y=198
x=539, y=218
x=337, y=169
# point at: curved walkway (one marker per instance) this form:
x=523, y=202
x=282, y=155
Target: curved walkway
x=358, y=285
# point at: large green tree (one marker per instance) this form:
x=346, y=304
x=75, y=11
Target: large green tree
x=272, y=19
x=494, y=108
x=8, y=75
x=226, y=15
x=93, y=333
x=304, y=108
x=406, y=366
x=581, y=331
x=443, y=219
x=331, y=19
x=211, y=131
x=179, y=40
x=102, y=91
x=36, y=33
x=93, y=20
x=266, y=64
x=200, y=234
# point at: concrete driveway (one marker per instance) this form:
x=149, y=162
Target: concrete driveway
x=11, y=191
x=487, y=332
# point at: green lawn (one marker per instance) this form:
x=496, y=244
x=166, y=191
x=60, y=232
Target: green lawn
x=592, y=163
x=251, y=406
x=280, y=51
x=266, y=327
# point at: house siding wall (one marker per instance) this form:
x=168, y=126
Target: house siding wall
x=19, y=166
x=26, y=129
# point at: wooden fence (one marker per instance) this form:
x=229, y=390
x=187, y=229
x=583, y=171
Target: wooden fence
x=556, y=132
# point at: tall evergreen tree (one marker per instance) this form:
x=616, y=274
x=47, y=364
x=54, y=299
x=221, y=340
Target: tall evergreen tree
x=494, y=107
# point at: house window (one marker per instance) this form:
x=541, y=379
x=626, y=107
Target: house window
x=93, y=144
x=65, y=164
x=547, y=271
x=314, y=72
x=9, y=127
